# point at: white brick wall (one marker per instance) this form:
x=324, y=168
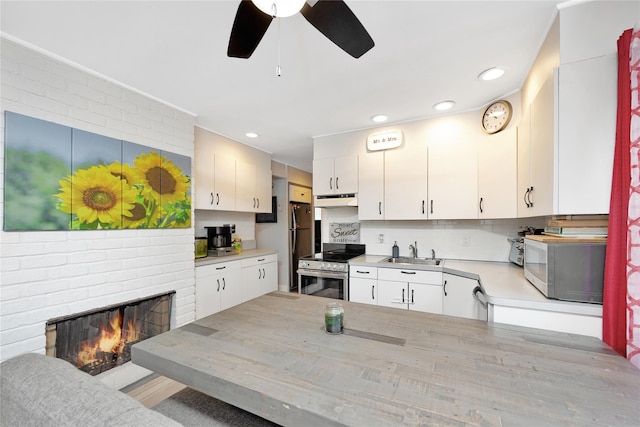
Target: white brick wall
x=55, y=273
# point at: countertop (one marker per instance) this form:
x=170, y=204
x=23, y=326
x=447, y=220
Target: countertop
x=391, y=367
x=503, y=282
x=247, y=253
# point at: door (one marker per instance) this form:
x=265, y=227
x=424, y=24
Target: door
x=371, y=186
x=301, y=243
x=393, y=294
x=425, y=298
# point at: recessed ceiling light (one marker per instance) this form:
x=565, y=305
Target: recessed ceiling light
x=379, y=118
x=251, y=134
x=491, y=74
x=444, y=105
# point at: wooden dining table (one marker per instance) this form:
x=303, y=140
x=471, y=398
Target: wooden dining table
x=391, y=367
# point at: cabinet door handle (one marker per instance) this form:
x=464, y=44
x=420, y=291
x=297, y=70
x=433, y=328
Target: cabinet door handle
x=529, y=197
x=402, y=295
x=223, y=283
x=525, y=197
x=379, y=208
x=264, y=274
x=444, y=287
x=372, y=294
x=217, y=198
x=257, y=202
x=431, y=209
x=481, y=205
x=337, y=186
x=259, y=274
x=254, y=202
x=218, y=280
x=412, y=296
x=331, y=183
x=211, y=199
x=423, y=207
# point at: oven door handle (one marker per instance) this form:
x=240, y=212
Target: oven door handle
x=322, y=274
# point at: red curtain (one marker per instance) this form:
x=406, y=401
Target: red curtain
x=614, y=308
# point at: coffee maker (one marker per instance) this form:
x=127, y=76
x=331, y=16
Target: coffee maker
x=219, y=239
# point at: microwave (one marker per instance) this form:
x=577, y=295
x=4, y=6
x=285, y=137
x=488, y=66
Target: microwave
x=565, y=268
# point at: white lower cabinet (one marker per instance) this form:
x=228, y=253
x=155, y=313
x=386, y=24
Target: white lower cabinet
x=218, y=287
x=458, y=299
x=363, y=284
x=259, y=276
x=410, y=289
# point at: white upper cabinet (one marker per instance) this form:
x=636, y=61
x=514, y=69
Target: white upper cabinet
x=215, y=179
x=230, y=176
x=371, y=186
x=536, y=156
x=335, y=175
x=569, y=137
x=587, y=105
x=497, y=174
x=253, y=188
x=453, y=169
x=405, y=182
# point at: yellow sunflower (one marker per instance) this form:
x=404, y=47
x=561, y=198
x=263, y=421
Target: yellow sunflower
x=95, y=194
x=161, y=178
x=125, y=172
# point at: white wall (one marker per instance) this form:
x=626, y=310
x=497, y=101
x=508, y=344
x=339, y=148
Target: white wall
x=483, y=240
x=56, y=273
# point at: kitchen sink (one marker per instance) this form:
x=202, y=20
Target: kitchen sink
x=414, y=261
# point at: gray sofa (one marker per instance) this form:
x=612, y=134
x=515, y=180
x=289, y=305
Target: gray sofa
x=37, y=390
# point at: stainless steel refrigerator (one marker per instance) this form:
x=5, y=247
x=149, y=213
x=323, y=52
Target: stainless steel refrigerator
x=300, y=239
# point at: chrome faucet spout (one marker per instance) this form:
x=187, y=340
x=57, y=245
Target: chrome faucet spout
x=414, y=249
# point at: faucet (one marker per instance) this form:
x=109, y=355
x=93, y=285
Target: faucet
x=433, y=254
x=414, y=249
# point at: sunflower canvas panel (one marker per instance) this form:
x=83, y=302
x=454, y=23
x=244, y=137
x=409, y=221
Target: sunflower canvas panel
x=111, y=184
x=37, y=154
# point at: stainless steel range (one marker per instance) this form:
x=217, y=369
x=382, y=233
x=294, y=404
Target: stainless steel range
x=326, y=274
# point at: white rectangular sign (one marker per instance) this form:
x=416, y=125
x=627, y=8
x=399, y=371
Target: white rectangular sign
x=384, y=140
x=344, y=232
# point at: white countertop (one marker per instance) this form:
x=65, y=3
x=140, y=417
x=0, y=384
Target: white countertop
x=246, y=253
x=503, y=282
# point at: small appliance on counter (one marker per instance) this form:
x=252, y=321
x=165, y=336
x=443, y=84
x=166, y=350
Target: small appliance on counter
x=566, y=268
x=516, y=254
x=219, y=240
x=201, y=247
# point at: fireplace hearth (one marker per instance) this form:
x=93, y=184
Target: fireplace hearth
x=98, y=340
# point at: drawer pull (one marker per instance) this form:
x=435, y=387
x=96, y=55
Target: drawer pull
x=362, y=272
x=407, y=272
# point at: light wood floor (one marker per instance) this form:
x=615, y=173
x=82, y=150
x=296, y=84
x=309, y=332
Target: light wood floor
x=152, y=391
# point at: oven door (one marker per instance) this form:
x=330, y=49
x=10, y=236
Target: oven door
x=323, y=284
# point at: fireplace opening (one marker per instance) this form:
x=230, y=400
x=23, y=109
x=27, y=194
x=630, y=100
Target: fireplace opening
x=98, y=340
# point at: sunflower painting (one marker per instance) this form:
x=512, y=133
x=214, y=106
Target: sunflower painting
x=109, y=184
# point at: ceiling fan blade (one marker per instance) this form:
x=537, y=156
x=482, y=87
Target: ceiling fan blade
x=336, y=21
x=248, y=29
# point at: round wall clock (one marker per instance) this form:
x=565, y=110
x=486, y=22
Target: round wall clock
x=496, y=116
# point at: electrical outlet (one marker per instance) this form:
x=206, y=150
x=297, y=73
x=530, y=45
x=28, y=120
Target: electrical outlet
x=466, y=241
x=380, y=238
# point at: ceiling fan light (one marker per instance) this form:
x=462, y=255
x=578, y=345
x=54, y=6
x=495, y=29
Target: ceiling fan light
x=444, y=105
x=491, y=74
x=283, y=8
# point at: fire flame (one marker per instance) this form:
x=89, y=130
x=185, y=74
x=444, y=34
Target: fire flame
x=112, y=340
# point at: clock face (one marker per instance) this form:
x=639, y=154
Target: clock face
x=496, y=117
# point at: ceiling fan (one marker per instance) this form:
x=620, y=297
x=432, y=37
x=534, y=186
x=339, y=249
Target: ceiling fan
x=333, y=18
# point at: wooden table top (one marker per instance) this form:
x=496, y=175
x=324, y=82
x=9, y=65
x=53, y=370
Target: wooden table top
x=271, y=356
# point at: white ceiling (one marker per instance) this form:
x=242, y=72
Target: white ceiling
x=425, y=52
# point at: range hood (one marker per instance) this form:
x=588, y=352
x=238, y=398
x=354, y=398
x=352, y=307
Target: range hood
x=335, y=201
